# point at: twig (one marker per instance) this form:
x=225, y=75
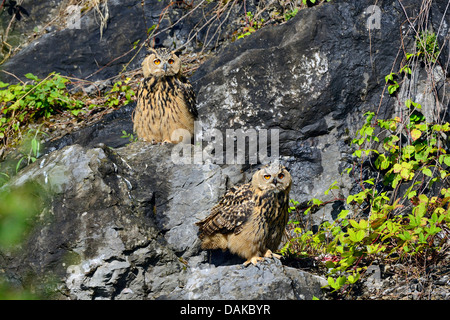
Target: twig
x=6, y=34
x=13, y=75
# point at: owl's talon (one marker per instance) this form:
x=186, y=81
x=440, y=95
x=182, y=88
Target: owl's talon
x=270, y=254
x=253, y=260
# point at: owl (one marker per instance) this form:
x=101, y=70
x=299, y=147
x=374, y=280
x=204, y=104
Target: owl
x=250, y=220
x=165, y=99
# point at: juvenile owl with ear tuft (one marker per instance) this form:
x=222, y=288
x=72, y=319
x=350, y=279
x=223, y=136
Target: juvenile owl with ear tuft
x=250, y=220
x=165, y=99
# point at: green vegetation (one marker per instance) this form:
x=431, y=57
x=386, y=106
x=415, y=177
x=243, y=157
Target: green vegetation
x=23, y=103
x=290, y=14
x=129, y=136
x=399, y=215
x=313, y=2
x=254, y=21
x=39, y=99
x=121, y=94
x=427, y=50
x=252, y=25
x=401, y=211
x=427, y=45
x=18, y=211
x=31, y=147
x=28, y=109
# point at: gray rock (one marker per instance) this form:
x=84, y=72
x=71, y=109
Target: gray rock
x=91, y=217
x=124, y=245
x=87, y=50
x=373, y=280
x=268, y=281
x=40, y=14
x=79, y=50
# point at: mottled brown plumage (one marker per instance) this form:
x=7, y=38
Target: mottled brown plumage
x=250, y=220
x=166, y=100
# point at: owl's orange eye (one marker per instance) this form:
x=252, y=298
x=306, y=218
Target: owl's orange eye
x=280, y=176
x=157, y=61
x=267, y=176
x=171, y=61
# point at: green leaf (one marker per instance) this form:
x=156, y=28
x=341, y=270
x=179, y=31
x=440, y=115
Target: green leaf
x=422, y=238
x=356, y=236
x=397, y=168
x=409, y=103
x=447, y=160
x=357, y=153
x=343, y=214
x=31, y=77
x=427, y=172
x=412, y=194
x=352, y=279
x=432, y=230
x=393, y=88
x=151, y=28
x=75, y=112
x=363, y=224
x=382, y=163
x=409, y=55
x=415, y=134
x=18, y=164
x=389, y=77
x=35, y=146
x=338, y=283
x=332, y=187
x=354, y=223
x=405, y=236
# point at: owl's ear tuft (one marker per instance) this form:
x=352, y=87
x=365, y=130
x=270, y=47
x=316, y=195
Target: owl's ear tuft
x=150, y=50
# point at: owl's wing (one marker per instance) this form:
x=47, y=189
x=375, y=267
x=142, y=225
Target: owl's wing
x=230, y=213
x=189, y=94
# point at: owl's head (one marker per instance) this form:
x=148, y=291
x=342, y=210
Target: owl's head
x=274, y=177
x=161, y=62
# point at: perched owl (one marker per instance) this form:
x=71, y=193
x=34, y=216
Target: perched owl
x=251, y=219
x=166, y=100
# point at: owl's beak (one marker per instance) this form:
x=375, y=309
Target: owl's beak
x=275, y=181
x=165, y=67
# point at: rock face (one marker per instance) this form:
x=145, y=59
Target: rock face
x=98, y=43
x=120, y=221
x=40, y=14
x=312, y=78
x=115, y=229
x=269, y=281
x=78, y=49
